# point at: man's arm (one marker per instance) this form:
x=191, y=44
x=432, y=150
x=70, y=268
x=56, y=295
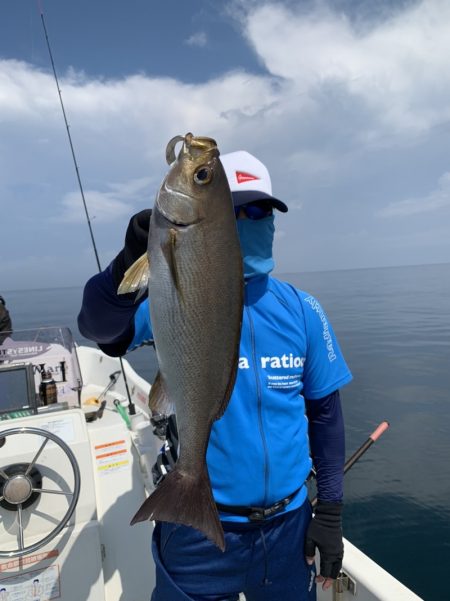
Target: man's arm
x=327, y=443
x=106, y=317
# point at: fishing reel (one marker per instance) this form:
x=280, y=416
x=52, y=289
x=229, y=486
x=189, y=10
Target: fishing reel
x=159, y=423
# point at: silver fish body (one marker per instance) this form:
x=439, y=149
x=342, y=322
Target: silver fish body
x=196, y=299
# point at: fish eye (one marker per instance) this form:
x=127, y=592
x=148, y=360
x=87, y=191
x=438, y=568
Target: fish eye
x=203, y=175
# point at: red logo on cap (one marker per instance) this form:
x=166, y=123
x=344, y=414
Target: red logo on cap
x=242, y=177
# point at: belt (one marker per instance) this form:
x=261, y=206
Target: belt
x=258, y=514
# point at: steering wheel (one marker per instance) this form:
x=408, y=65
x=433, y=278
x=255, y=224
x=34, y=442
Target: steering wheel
x=19, y=486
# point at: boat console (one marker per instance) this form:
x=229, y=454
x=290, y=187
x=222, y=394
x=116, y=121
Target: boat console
x=72, y=473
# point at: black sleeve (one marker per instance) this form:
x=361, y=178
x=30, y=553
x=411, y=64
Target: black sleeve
x=105, y=317
x=327, y=442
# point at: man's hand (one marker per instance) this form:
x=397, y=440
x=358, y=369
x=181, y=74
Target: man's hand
x=136, y=241
x=325, y=533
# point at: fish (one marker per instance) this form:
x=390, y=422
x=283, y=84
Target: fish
x=193, y=268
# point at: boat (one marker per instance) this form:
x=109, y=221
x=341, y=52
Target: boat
x=64, y=529
x=77, y=446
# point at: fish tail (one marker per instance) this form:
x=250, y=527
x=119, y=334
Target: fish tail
x=184, y=499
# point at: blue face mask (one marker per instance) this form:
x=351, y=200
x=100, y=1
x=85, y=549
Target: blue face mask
x=256, y=238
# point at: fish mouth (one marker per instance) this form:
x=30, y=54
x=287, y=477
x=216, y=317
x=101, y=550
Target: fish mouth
x=192, y=145
x=185, y=222
x=201, y=144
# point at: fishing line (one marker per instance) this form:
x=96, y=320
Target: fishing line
x=70, y=137
x=131, y=406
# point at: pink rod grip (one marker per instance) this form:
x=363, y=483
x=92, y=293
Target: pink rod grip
x=379, y=431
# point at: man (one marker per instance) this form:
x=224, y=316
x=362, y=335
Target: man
x=5, y=321
x=259, y=452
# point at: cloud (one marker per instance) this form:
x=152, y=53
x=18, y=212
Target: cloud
x=347, y=116
x=116, y=204
x=199, y=39
x=329, y=80
x=397, y=67
x=103, y=206
x=435, y=201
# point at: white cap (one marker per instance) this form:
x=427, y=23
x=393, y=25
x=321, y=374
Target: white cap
x=249, y=179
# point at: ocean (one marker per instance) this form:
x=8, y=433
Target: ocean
x=393, y=325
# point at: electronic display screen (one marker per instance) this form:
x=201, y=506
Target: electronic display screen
x=17, y=388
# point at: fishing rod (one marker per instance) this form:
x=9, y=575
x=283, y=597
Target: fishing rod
x=131, y=405
x=379, y=430
x=70, y=138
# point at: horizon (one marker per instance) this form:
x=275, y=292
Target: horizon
x=275, y=274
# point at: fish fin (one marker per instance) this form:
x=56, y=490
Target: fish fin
x=158, y=400
x=184, y=499
x=136, y=276
x=169, y=251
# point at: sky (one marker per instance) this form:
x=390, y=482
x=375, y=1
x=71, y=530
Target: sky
x=346, y=102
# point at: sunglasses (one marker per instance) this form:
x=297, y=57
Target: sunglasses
x=255, y=210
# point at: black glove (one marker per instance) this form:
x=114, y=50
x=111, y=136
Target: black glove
x=136, y=240
x=325, y=533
